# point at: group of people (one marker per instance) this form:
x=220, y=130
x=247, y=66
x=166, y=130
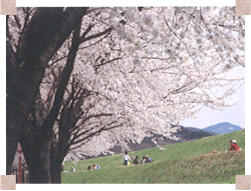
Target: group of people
x=94, y=167
x=147, y=159
x=135, y=160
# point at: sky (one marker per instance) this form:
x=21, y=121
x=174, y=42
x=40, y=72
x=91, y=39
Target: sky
x=234, y=115
x=208, y=117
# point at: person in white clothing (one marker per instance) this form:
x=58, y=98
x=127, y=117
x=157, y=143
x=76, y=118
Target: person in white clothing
x=126, y=158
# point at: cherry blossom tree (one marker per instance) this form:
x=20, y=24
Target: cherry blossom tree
x=167, y=64
x=134, y=71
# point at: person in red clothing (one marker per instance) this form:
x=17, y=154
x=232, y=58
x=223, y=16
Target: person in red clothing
x=234, y=146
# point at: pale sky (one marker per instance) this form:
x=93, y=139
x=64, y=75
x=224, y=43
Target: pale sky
x=234, y=115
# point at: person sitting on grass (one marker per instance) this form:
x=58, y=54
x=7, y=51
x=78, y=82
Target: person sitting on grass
x=73, y=169
x=234, y=146
x=126, y=158
x=94, y=167
x=143, y=160
x=150, y=160
x=89, y=168
x=147, y=156
x=135, y=160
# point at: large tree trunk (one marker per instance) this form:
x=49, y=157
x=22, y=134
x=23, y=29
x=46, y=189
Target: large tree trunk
x=39, y=170
x=36, y=146
x=44, y=35
x=46, y=168
x=56, y=173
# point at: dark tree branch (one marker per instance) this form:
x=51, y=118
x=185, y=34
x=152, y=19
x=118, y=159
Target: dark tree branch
x=96, y=35
x=91, y=135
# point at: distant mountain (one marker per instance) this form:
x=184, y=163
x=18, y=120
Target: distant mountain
x=184, y=134
x=222, y=128
x=190, y=133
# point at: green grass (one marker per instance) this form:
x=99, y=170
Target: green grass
x=189, y=162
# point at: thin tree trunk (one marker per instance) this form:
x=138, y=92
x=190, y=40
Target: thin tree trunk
x=58, y=151
x=57, y=158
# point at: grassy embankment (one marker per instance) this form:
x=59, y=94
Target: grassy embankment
x=189, y=162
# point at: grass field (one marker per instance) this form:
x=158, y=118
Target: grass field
x=188, y=162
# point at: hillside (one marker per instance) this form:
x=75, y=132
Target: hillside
x=188, y=162
x=184, y=134
x=222, y=128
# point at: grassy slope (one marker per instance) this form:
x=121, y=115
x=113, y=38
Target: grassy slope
x=189, y=162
